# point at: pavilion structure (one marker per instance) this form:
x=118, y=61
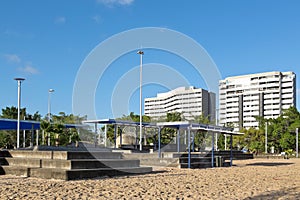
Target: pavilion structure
x=190, y=127
x=29, y=125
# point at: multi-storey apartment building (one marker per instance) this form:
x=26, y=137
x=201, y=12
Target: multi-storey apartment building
x=241, y=98
x=189, y=101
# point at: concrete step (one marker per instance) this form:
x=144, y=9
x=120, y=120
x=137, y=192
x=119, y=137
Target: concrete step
x=69, y=155
x=3, y=161
x=195, y=159
x=51, y=173
x=31, y=154
x=89, y=163
x=166, y=162
x=140, y=155
x=24, y=162
x=64, y=155
x=81, y=147
x=4, y=153
x=193, y=154
x=196, y=165
x=15, y=170
x=237, y=155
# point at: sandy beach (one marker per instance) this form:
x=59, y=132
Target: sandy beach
x=248, y=179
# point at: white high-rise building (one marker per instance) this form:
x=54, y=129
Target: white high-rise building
x=241, y=98
x=189, y=101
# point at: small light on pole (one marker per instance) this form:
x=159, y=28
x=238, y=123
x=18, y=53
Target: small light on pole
x=49, y=103
x=19, y=80
x=141, y=81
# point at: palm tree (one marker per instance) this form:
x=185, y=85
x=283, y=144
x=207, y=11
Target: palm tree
x=45, y=127
x=58, y=129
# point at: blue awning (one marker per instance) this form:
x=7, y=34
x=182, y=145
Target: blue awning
x=11, y=124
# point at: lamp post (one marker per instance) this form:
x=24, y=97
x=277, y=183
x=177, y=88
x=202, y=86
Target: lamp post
x=141, y=81
x=49, y=103
x=19, y=80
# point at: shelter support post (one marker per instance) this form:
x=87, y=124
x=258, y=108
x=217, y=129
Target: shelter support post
x=145, y=136
x=193, y=142
x=105, y=135
x=115, y=135
x=185, y=137
x=212, y=149
x=136, y=137
x=231, y=153
x=189, y=147
x=24, y=138
x=37, y=138
x=225, y=142
x=120, y=138
x=159, y=145
x=32, y=136
x=178, y=140
x=95, y=138
x=216, y=142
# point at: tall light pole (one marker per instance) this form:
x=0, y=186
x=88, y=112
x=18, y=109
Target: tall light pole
x=141, y=81
x=19, y=80
x=49, y=103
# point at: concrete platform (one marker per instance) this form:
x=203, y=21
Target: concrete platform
x=180, y=160
x=68, y=165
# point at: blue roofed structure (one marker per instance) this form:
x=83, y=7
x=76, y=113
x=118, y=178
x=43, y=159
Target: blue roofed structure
x=11, y=124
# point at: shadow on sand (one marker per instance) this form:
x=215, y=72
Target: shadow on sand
x=290, y=193
x=269, y=164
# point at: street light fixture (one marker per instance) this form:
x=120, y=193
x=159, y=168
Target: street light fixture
x=49, y=103
x=141, y=81
x=19, y=80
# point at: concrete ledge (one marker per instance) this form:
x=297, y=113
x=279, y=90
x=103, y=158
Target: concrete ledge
x=4, y=153
x=31, y=154
x=195, y=159
x=3, y=161
x=89, y=163
x=15, y=170
x=196, y=165
x=24, y=162
x=166, y=162
x=86, y=173
x=68, y=155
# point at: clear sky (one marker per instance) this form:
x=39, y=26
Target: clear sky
x=47, y=42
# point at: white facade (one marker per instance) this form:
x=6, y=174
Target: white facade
x=241, y=98
x=189, y=101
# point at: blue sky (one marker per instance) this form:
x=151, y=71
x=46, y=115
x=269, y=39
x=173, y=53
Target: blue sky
x=47, y=42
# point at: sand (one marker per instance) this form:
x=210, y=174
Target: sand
x=249, y=179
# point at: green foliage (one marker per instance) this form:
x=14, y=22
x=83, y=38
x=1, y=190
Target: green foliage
x=59, y=135
x=168, y=134
x=8, y=138
x=281, y=133
x=131, y=117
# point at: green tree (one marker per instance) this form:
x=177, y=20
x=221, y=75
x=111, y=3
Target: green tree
x=46, y=128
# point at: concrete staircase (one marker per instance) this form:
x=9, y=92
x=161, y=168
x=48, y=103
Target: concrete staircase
x=180, y=160
x=68, y=165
